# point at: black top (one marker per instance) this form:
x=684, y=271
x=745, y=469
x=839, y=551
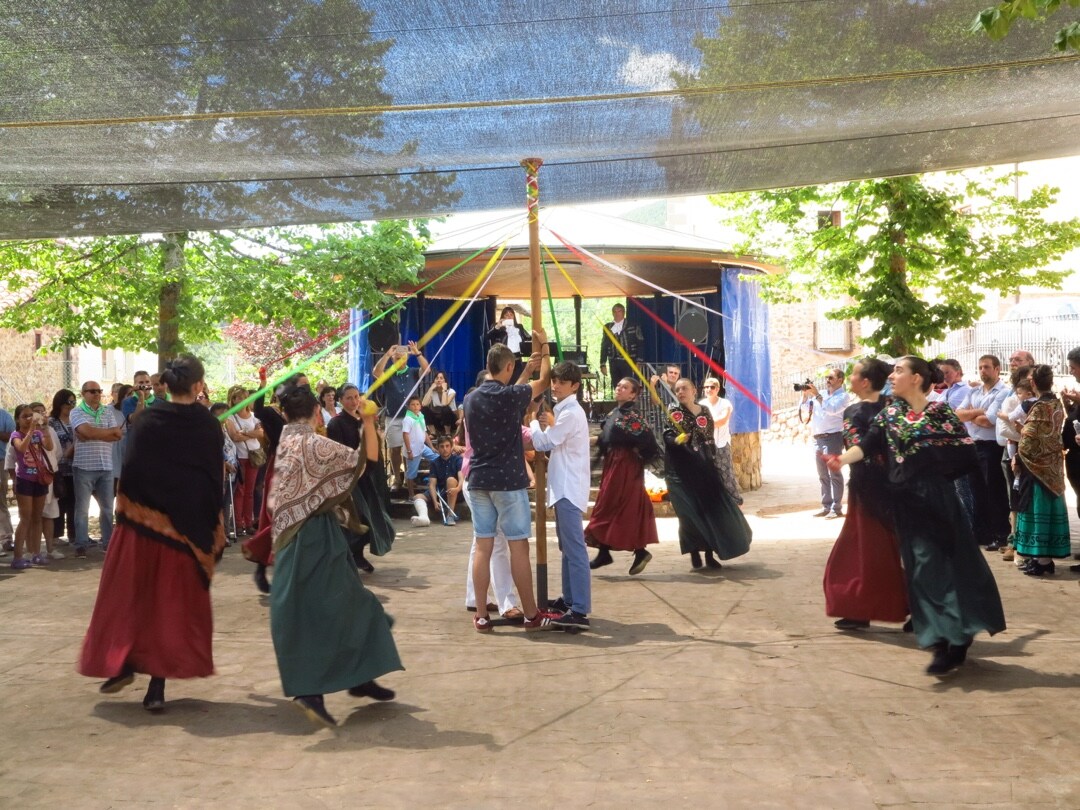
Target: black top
x=172, y=465
x=397, y=387
x=497, y=334
x=867, y=476
x=493, y=414
x=345, y=429
x=631, y=339
x=272, y=423
x=625, y=427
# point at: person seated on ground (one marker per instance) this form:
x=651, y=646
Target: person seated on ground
x=416, y=443
x=444, y=481
x=440, y=407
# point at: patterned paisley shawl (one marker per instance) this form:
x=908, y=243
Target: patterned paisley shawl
x=311, y=473
x=1040, y=443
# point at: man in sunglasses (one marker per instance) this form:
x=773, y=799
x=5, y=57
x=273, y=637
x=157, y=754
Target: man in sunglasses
x=96, y=427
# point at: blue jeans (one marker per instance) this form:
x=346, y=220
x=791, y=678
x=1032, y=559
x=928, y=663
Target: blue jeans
x=576, y=584
x=98, y=483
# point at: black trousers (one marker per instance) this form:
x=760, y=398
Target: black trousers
x=991, y=495
x=619, y=368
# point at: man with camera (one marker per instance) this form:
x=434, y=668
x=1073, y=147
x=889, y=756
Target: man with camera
x=396, y=389
x=825, y=413
x=142, y=396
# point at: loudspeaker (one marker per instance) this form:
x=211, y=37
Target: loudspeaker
x=383, y=334
x=693, y=325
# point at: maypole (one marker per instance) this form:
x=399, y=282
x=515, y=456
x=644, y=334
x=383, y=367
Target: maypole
x=532, y=202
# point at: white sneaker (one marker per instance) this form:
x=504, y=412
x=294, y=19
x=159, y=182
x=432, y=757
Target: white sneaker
x=4, y=552
x=419, y=521
x=56, y=554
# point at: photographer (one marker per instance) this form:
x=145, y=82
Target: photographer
x=142, y=397
x=825, y=412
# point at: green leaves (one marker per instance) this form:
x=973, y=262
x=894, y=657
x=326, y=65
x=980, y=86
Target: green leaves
x=915, y=253
x=106, y=291
x=997, y=21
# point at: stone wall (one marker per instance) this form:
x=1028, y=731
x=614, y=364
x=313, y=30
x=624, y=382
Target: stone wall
x=25, y=374
x=786, y=427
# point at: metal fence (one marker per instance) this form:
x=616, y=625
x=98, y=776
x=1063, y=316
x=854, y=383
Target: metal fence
x=1049, y=339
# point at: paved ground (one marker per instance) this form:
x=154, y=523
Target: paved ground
x=693, y=690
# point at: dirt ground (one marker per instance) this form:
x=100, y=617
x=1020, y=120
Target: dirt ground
x=720, y=689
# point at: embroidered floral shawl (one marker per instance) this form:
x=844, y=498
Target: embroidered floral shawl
x=1040, y=443
x=933, y=441
x=311, y=473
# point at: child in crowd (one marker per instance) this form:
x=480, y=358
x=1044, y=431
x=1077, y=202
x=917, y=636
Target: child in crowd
x=444, y=481
x=1025, y=394
x=416, y=442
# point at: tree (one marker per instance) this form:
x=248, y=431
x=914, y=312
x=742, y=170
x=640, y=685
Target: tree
x=170, y=291
x=915, y=253
x=997, y=21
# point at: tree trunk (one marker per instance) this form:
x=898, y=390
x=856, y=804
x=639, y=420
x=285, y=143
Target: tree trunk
x=172, y=253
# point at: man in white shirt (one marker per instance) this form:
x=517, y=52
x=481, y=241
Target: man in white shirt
x=978, y=412
x=565, y=433
x=826, y=413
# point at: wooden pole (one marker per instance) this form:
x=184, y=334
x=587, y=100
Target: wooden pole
x=532, y=202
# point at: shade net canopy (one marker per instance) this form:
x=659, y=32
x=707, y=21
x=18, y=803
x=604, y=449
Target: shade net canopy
x=138, y=115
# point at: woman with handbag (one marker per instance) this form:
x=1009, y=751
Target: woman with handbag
x=63, y=402
x=246, y=432
x=32, y=479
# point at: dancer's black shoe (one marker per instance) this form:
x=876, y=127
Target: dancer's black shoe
x=261, y=582
x=155, y=695
x=602, y=558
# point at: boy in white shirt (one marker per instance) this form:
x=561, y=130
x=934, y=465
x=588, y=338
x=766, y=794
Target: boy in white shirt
x=565, y=432
x=415, y=443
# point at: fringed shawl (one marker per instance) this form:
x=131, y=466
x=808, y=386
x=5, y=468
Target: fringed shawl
x=1040, y=443
x=311, y=474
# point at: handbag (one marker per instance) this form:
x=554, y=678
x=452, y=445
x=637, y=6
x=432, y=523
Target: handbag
x=45, y=471
x=257, y=457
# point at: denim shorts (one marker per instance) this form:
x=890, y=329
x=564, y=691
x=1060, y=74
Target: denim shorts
x=494, y=509
x=30, y=489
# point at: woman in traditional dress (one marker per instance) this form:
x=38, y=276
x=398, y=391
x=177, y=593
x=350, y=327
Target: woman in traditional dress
x=152, y=613
x=1042, y=521
x=622, y=518
x=330, y=633
x=709, y=518
x=863, y=578
x=951, y=591
x=721, y=410
x=371, y=494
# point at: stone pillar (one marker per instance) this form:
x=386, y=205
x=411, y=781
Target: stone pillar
x=746, y=458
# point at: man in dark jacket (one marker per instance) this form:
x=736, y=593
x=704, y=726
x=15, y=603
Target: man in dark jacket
x=629, y=337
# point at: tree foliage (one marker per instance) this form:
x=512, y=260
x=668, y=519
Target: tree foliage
x=914, y=253
x=108, y=291
x=997, y=21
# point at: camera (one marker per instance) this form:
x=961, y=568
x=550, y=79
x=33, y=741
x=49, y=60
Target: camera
x=804, y=386
x=144, y=386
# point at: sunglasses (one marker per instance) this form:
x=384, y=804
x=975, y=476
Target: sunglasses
x=91, y=390
x=70, y=402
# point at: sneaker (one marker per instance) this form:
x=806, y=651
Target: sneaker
x=373, y=691
x=822, y=513
x=39, y=559
x=641, y=559
x=483, y=624
x=541, y=621
x=558, y=606
x=21, y=564
x=315, y=709
x=834, y=515
x=450, y=521
x=571, y=619
x=9, y=545
x=80, y=551
x=57, y=554
x=4, y=552
x=416, y=520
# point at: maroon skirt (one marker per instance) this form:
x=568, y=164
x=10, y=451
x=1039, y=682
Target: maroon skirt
x=622, y=517
x=863, y=577
x=259, y=548
x=152, y=613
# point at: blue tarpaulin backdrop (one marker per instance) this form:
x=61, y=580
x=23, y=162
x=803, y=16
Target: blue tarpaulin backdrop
x=739, y=344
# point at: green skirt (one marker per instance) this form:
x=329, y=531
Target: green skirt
x=1042, y=530
x=952, y=593
x=330, y=633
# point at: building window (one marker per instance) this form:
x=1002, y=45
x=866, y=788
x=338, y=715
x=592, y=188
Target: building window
x=831, y=335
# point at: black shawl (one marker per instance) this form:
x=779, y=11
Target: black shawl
x=171, y=481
